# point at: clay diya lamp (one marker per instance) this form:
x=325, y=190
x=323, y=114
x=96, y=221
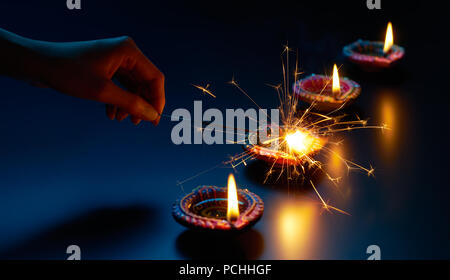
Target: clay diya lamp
x=219, y=209
x=375, y=55
x=327, y=93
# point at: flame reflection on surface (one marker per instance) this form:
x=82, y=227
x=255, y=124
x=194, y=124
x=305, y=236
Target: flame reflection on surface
x=296, y=231
x=389, y=113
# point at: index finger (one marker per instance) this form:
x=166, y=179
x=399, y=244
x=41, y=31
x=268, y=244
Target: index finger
x=151, y=79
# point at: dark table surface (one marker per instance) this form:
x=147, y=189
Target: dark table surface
x=68, y=175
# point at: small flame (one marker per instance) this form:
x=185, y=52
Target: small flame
x=389, y=38
x=336, y=85
x=233, y=205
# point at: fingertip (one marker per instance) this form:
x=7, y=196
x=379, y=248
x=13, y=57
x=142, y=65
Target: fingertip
x=135, y=120
x=133, y=104
x=110, y=111
x=149, y=113
x=121, y=115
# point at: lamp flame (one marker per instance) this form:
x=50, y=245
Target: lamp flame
x=233, y=205
x=336, y=84
x=389, y=38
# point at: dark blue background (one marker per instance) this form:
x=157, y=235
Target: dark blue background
x=68, y=175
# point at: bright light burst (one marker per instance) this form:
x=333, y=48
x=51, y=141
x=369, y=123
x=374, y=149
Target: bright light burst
x=300, y=142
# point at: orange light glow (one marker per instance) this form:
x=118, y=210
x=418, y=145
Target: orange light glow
x=389, y=112
x=233, y=205
x=297, y=230
x=335, y=162
x=336, y=85
x=389, y=38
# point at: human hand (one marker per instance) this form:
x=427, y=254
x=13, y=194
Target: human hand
x=87, y=70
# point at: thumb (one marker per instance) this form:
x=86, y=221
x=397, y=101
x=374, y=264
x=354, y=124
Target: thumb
x=132, y=103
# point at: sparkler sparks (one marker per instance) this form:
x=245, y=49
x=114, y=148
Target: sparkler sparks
x=302, y=135
x=300, y=142
x=205, y=90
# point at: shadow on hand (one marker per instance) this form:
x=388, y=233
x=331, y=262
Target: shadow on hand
x=96, y=233
x=196, y=244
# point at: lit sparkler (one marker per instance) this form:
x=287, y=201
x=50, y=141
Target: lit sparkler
x=302, y=134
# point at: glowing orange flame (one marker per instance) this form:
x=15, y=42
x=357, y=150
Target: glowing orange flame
x=336, y=84
x=233, y=205
x=389, y=38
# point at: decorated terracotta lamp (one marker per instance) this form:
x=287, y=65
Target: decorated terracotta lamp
x=220, y=209
x=327, y=93
x=375, y=55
